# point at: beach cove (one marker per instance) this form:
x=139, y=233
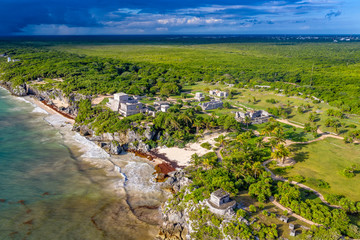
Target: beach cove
x=57, y=184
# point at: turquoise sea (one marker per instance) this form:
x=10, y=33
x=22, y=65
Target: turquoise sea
x=46, y=192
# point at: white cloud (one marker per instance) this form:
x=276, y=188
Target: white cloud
x=128, y=10
x=161, y=29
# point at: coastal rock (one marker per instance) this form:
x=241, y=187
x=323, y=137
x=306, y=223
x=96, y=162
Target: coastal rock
x=20, y=90
x=143, y=147
x=115, y=148
x=176, y=187
x=149, y=133
x=85, y=131
x=171, y=231
x=175, y=217
x=170, y=180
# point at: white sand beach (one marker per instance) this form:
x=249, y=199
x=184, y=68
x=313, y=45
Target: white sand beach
x=182, y=156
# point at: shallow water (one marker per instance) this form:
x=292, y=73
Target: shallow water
x=48, y=191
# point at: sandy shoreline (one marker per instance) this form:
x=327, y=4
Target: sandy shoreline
x=126, y=177
x=174, y=157
x=182, y=156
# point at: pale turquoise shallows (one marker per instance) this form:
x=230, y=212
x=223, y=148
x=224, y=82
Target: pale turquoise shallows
x=46, y=193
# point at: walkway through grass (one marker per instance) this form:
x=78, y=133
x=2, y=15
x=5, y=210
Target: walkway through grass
x=324, y=160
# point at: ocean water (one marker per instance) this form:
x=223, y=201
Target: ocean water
x=48, y=191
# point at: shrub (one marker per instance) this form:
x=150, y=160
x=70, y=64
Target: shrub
x=347, y=172
x=252, y=209
x=297, y=178
x=241, y=213
x=206, y=145
x=271, y=100
x=318, y=182
x=333, y=198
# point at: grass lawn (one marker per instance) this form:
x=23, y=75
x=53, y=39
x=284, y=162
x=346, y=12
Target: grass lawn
x=244, y=95
x=324, y=160
x=291, y=133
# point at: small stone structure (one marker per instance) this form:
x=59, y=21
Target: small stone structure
x=262, y=86
x=12, y=60
x=211, y=105
x=293, y=233
x=199, y=96
x=220, y=202
x=284, y=219
x=291, y=226
x=164, y=108
x=219, y=93
x=124, y=104
x=256, y=117
x=161, y=106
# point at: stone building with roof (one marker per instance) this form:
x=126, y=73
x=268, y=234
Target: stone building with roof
x=124, y=104
x=199, y=96
x=220, y=202
x=218, y=93
x=256, y=117
x=211, y=105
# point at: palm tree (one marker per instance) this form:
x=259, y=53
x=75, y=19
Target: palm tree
x=207, y=123
x=256, y=168
x=272, y=143
x=221, y=140
x=185, y=118
x=195, y=159
x=241, y=138
x=198, y=124
x=247, y=121
x=281, y=153
x=172, y=122
x=259, y=142
x=278, y=135
x=209, y=163
x=213, y=116
x=213, y=124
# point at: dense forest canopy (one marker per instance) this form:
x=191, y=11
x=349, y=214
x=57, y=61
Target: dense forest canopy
x=323, y=69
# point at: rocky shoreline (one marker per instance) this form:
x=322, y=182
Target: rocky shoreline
x=113, y=143
x=166, y=174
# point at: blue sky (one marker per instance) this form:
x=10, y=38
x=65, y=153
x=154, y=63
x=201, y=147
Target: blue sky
x=101, y=17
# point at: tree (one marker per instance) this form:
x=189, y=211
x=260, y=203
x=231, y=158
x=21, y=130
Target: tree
x=247, y=121
x=185, y=118
x=312, y=117
x=278, y=135
x=281, y=153
x=198, y=124
x=221, y=140
x=209, y=163
x=259, y=142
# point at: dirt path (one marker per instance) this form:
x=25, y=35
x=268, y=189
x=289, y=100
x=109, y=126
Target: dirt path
x=99, y=99
x=289, y=123
x=278, y=178
x=323, y=135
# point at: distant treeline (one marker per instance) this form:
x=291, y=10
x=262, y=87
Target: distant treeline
x=327, y=71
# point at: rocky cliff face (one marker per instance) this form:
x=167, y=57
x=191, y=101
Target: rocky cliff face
x=175, y=222
x=68, y=104
x=116, y=143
